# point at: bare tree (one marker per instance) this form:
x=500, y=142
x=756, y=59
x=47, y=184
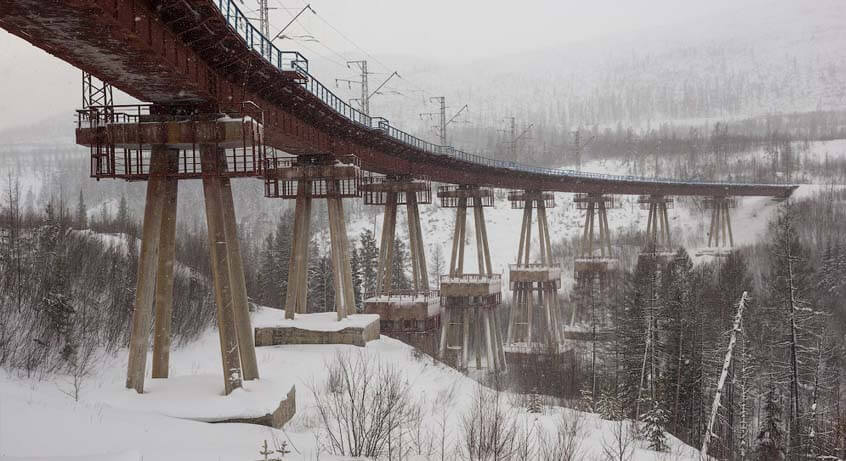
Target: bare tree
x=738, y=321
x=490, y=427
x=566, y=444
x=441, y=407
x=361, y=404
x=619, y=444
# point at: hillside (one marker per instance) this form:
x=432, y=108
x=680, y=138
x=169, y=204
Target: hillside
x=111, y=423
x=758, y=57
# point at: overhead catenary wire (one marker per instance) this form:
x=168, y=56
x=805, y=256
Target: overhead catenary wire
x=368, y=55
x=409, y=89
x=309, y=32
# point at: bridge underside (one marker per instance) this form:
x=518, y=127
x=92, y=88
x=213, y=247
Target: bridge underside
x=183, y=52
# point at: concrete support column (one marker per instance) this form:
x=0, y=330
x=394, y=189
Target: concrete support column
x=342, y=269
x=142, y=312
x=164, y=271
x=587, y=233
x=728, y=224
x=657, y=222
x=545, y=234
x=238, y=284
x=456, y=261
x=521, y=323
x=384, y=272
x=482, y=249
x=474, y=326
x=418, y=251
x=445, y=329
x=666, y=219
x=219, y=251
x=526, y=218
x=720, y=232
x=297, y=290
x=605, y=234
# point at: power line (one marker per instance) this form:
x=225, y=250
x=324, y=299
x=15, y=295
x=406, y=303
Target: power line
x=303, y=27
x=362, y=50
x=443, y=122
x=411, y=85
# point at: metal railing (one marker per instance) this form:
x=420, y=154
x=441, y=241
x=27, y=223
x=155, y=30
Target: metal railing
x=294, y=61
x=470, y=278
x=256, y=41
x=426, y=295
x=532, y=266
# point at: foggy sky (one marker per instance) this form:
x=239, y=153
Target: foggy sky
x=34, y=85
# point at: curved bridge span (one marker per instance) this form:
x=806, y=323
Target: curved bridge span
x=196, y=60
x=207, y=53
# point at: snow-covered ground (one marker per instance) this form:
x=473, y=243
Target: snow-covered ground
x=38, y=420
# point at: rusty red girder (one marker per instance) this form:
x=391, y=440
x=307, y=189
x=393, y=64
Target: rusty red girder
x=183, y=51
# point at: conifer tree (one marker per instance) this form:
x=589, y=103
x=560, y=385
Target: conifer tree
x=680, y=355
x=770, y=436
x=282, y=255
x=369, y=256
x=321, y=291
x=269, y=277
x=654, y=421
x=399, y=276
x=122, y=219
x=355, y=267
x=633, y=323
x=81, y=212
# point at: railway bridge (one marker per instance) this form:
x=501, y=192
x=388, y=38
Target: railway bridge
x=223, y=102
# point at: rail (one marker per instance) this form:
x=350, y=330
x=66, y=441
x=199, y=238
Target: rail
x=294, y=61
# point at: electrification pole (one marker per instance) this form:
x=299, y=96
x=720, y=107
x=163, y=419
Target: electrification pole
x=364, y=100
x=442, y=118
x=365, y=93
x=513, y=137
x=264, y=18
x=441, y=114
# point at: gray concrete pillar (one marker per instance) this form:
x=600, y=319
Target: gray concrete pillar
x=139, y=339
x=238, y=284
x=218, y=249
x=164, y=271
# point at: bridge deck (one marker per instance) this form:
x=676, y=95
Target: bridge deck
x=206, y=52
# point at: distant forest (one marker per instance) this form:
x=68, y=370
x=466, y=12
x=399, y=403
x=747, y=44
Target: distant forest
x=556, y=145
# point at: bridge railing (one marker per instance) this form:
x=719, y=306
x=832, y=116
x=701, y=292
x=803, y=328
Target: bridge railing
x=294, y=61
x=256, y=41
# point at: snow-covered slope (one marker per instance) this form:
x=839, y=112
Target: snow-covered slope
x=112, y=423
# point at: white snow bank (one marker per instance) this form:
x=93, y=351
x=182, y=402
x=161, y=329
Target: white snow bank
x=200, y=397
x=321, y=321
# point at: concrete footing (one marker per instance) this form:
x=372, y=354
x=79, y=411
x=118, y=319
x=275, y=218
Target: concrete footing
x=277, y=419
x=321, y=328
